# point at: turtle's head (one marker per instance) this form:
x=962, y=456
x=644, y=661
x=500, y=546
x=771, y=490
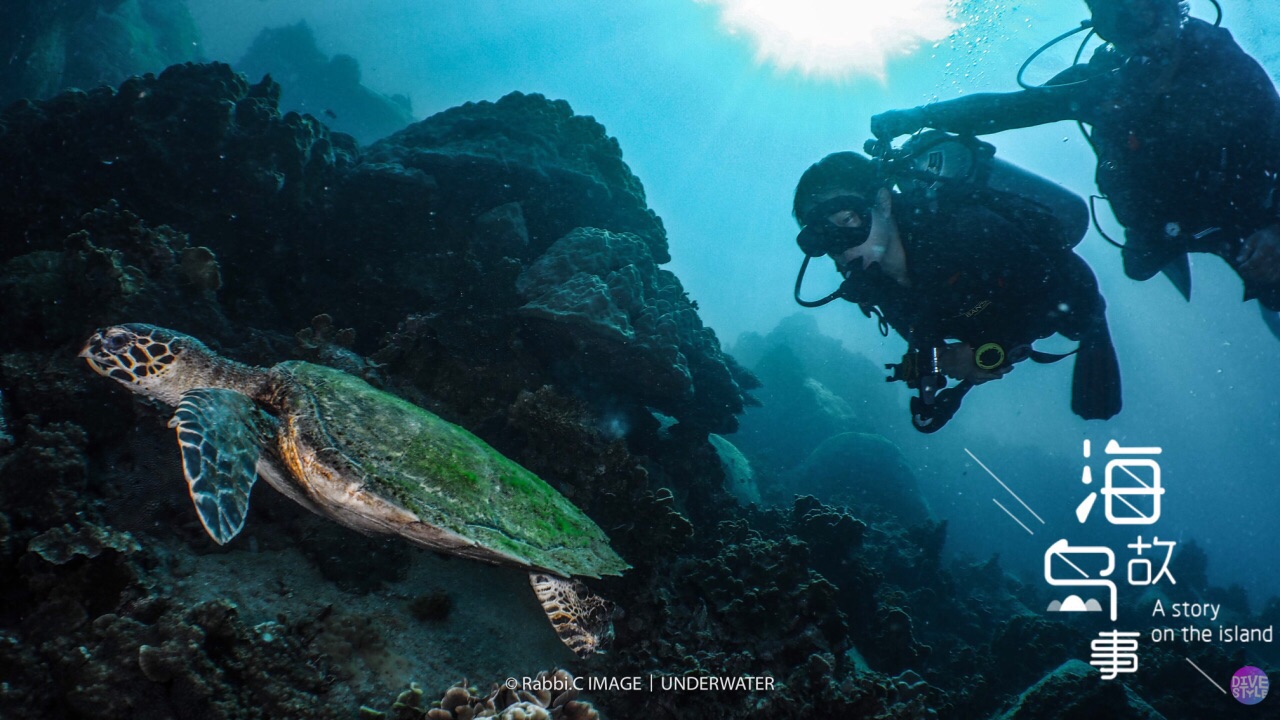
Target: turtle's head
x=149, y=360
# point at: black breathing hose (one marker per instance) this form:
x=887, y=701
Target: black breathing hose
x=1084, y=25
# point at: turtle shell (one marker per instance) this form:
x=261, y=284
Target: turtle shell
x=359, y=452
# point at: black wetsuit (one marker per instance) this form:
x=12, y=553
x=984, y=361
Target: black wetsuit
x=1185, y=144
x=978, y=278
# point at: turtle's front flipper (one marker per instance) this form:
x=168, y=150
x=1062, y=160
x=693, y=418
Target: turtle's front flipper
x=220, y=433
x=582, y=619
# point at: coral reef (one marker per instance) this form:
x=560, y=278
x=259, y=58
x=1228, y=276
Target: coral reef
x=197, y=148
x=324, y=344
x=61, y=545
x=553, y=698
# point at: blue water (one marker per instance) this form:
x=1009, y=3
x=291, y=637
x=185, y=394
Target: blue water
x=719, y=138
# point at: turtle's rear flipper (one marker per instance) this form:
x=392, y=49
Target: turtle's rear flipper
x=220, y=434
x=582, y=619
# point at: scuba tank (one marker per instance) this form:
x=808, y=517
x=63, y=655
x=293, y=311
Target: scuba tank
x=945, y=168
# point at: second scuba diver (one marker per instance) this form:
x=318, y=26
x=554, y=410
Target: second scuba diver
x=1186, y=129
x=968, y=288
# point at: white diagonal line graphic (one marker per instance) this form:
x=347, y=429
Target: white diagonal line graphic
x=1063, y=558
x=1006, y=487
x=1006, y=511
x=1206, y=676
x=1136, y=511
x=1135, y=477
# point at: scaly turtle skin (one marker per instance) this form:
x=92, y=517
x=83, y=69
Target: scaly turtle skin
x=365, y=458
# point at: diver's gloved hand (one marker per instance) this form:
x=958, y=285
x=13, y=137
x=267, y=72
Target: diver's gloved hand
x=1259, y=258
x=891, y=124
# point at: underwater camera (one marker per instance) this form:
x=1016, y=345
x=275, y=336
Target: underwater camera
x=934, y=404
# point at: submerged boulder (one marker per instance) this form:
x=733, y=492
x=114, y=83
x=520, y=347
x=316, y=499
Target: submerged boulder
x=860, y=470
x=632, y=327
x=562, y=168
x=739, y=477
x=1076, y=691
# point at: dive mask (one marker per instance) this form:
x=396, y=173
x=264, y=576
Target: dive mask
x=820, y=237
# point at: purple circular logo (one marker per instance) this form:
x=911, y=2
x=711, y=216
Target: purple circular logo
x=1249, y=685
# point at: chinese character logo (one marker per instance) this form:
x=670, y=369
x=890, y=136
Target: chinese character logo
x=1115, y=652
x=1132, y=482
x=1131, y=495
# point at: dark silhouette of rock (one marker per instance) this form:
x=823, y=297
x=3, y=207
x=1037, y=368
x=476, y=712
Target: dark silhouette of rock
x=860, y=470
x=52, y=45
x=328, y=88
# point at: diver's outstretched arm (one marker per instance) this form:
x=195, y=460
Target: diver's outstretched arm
x=1065, y=97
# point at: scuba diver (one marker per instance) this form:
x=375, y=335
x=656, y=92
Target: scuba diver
x=1186, y=129
x=969, y=266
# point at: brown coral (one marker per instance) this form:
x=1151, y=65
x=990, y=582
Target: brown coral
x=199, y=267
x=554, y=698
x=323, y=343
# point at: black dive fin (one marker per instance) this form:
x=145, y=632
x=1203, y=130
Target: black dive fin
x=1272, y=319
x=1095, y=381
x=220, y=433
x=1179, y=273
x=582, y=619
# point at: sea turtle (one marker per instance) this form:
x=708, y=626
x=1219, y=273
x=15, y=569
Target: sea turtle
x=365, y=458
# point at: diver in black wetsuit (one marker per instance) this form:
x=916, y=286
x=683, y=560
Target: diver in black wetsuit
x=957, y=272
x=1186, y=129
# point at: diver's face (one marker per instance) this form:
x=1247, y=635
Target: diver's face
x=1135, y=25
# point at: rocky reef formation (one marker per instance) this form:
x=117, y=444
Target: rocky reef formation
x=630, y=322
x=187, y=199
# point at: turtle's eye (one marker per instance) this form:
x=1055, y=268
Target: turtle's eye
x=116, y=343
